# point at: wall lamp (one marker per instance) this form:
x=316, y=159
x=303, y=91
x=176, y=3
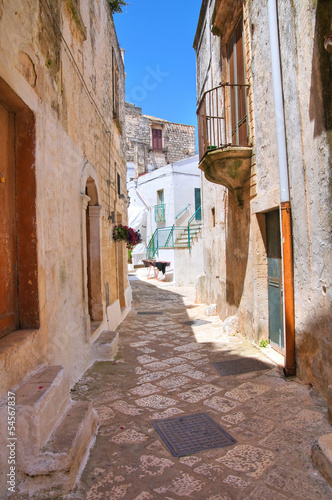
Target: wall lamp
x=126, y=199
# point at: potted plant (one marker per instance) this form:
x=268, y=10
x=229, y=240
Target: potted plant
x=127, y=234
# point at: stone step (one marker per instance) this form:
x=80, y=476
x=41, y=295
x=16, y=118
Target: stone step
x=322, y=455
x=106, y=346
x=40, y=404
x=183, y=238
x=54, y=472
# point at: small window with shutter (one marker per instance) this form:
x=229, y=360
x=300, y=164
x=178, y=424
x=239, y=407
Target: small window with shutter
x=157, y=139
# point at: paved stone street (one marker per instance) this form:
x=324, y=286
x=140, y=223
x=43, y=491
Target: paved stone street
x=163, y=369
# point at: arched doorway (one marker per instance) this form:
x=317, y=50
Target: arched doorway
x=92, y=251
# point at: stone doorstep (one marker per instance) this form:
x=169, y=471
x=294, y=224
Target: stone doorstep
x=40, y=404
x=105, y=347
x=322, y=455
x=56, y=469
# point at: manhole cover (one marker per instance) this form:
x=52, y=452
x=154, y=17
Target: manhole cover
x=150, y=312
x=192, y=433
x=238, y=366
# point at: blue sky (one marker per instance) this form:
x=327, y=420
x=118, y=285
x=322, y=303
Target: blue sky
x=159, y=59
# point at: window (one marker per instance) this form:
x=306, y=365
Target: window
x=118, y=178
x=160, y=196
x=213, y=217
x=237, y=76
x=157, y=139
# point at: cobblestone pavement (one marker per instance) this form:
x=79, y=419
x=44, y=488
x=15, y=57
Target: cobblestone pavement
x=163, y=369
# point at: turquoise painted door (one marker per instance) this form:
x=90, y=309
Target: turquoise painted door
x=198, y=203
x=275, y=293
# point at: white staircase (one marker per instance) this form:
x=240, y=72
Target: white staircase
x=182, y=237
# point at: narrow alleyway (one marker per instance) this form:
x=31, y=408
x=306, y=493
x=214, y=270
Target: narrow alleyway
x=163, y=369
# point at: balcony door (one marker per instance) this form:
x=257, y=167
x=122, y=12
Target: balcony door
x=237, y=77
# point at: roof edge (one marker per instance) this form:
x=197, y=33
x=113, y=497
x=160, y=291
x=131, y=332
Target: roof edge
x=200, y=22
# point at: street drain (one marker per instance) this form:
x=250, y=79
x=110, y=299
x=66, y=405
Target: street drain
x=238, y=366
x=150, y=312
x=192, y=433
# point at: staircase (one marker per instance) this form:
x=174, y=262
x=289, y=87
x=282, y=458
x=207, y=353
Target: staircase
x=175, y=236
x=53, y=433
x=182, y=238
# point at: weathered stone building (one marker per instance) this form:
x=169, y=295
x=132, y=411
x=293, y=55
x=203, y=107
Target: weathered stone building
x=63, y=280
x=152, y=142
x=267, y=230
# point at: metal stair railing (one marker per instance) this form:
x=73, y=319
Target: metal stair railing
x=161, y=240
x=171, y=235
x=182, y=211
x=152, y=247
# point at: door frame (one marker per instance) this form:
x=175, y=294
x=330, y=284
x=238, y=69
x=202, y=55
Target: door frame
x=25, y=203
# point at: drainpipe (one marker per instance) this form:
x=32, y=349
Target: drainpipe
x=285, y=207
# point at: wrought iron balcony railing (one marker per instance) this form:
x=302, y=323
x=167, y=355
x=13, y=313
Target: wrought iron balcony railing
x=223, y=118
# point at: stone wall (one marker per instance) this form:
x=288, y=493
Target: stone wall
x=178, y=141
x=235, y=238
x=52, y=62
x=307, y=67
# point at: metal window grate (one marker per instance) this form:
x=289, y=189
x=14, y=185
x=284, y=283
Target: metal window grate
x=190, y=434
x=159, y=213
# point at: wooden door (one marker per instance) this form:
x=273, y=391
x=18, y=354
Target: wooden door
x=8, y=251
x=275, y=289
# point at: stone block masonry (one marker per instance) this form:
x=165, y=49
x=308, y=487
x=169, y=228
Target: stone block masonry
x=177, y=141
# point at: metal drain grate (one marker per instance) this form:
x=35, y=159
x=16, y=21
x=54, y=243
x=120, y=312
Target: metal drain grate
x=238, y=366
x=192, y=433
x=150, y=312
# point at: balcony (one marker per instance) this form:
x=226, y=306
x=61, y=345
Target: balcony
x=224, y=150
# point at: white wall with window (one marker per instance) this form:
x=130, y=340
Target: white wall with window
x=172, y=194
